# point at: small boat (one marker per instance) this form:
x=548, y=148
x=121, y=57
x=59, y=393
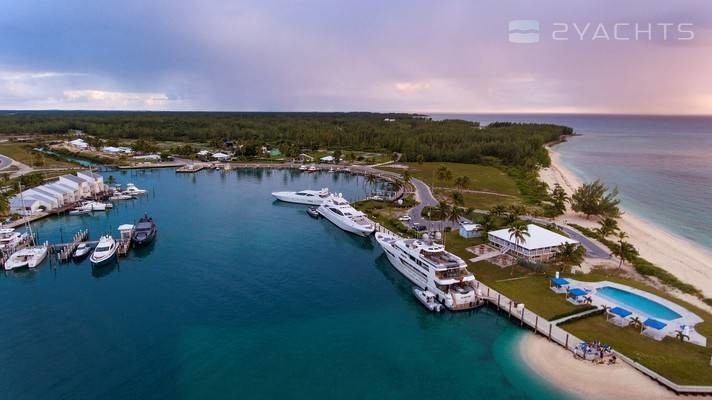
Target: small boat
x=81, y=251
x=313, y=212
x=331, y=169
x=89, y=206
x=303, y=167
x=427, y=298
x=79, y=211
x=105, y=252
x=131, y=189
x=312, y=168
x=28, y=257
x=144, y=232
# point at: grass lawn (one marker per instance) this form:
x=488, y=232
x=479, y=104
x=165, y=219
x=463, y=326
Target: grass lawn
x=682, y=363
x=519, y=284
x=481, y=201
x=482, y=177
x=23, y=153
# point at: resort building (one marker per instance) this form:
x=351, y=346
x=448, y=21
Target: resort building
x=81, y=186
x=540, y=245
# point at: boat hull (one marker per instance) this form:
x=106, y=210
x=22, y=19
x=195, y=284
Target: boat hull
x=143, y=241
x=287, y=198
x=103, y=261
x=356, y=230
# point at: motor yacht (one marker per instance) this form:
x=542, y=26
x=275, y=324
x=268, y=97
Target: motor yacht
x=430, y=267
x=105, y=251
x=131, y=189
x=28, y=257
x=121, y=196
x=144, y=231
x=309, y=197
x=338, y=210
x=9, y=239
x=81, y=251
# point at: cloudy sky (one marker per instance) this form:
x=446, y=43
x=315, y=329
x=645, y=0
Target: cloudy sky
x=331, y=55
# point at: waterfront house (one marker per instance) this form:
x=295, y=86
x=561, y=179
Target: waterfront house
x=82, y=188
x=470, y=230
x=327, y=160
x=116, y=150
x=541, y=244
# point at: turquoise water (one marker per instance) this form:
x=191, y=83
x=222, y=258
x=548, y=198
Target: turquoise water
x=81, y=161
x=242, y=297
x=634, y=302
x=661, y=164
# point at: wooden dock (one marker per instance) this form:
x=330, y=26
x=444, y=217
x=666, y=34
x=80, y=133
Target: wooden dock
x=64, y=253
x=191, y=168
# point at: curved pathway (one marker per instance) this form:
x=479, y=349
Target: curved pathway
x=5, y=162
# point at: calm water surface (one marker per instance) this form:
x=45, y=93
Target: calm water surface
x=242, y=297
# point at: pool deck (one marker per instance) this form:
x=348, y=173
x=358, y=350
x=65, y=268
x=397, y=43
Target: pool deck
x=687, y=318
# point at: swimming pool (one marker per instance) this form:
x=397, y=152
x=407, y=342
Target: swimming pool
x=637, y=303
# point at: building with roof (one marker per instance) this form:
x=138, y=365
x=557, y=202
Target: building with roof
x=469, y=230
x=79, y=143
x=66, y=192
x=222, y=156
x=327, y=159
x=42, y=191
x=81, y=187
x=95, y=181
x=22, y=206
x=540, y=245
x=117, y=150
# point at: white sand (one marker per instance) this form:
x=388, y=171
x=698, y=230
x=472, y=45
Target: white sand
x=586, y=380
x=688, y=261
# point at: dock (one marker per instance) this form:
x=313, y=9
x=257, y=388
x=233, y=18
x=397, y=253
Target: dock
x=191, y=168
x=148, y=165
x=64, y=253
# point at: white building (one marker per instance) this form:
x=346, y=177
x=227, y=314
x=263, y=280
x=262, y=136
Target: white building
x=95, y=181
x=79, y=143
x=327, y=159
x=42, y=191
x=222, y=156
x=66, y=192
x=22, y=206
x=116, y=150
x=540, y=245
x=470, y=230
x=81, y=187
x=148, y=157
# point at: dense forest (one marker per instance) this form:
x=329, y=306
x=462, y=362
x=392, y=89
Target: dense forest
x=416, y=137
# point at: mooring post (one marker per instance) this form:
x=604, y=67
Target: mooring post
x=567, y=341
x=550, y=332
x=536, y=324
x=522, y=324
x=509, y=314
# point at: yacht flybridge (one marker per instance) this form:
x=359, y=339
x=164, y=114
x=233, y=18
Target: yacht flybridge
x=338, y=210
x=430, y=267
x=9, y=239
x=310, y=197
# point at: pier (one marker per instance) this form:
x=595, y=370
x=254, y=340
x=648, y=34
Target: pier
x=64, y=253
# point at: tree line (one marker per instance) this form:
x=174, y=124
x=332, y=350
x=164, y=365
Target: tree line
x=416, y=137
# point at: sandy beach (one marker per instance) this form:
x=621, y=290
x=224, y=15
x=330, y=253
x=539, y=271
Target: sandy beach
x=688, y=261
x=584, y=379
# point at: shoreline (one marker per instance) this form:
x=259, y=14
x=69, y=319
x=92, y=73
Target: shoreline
x=688, y=261
x=582, y=379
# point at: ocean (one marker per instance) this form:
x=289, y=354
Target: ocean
x=242, y=297
x=662, y=165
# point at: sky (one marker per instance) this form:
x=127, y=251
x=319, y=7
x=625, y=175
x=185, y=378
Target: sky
x=451, y=56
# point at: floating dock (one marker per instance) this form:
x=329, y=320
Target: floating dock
x=65, y=252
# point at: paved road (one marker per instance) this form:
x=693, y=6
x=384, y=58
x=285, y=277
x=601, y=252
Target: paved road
x=5, y=162
x=593, y=249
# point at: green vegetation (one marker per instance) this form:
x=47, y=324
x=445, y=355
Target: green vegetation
x=681, y=362
x=595, y=198
x=481, y=177
x=414, y=137
x=23, y=153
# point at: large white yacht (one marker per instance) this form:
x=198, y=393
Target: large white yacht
x=429, y=266
x=310, y=197
x=9, y=239
x=337, y=210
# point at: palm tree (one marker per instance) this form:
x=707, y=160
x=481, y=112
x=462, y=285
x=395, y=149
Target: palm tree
x=457, y=198
x=444, y=174
x=518, y=232
x=406, y=177
x=498, y=210
x=608, y=227
x=510, y=219
x=487, y=224
x=569, y=254
x=455, y=214
x=635, y=321
x=443, y=210
x=681, y=335
x=110, y=180
x=462, y=181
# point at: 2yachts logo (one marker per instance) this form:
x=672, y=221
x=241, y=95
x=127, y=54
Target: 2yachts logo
x=528, y=31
